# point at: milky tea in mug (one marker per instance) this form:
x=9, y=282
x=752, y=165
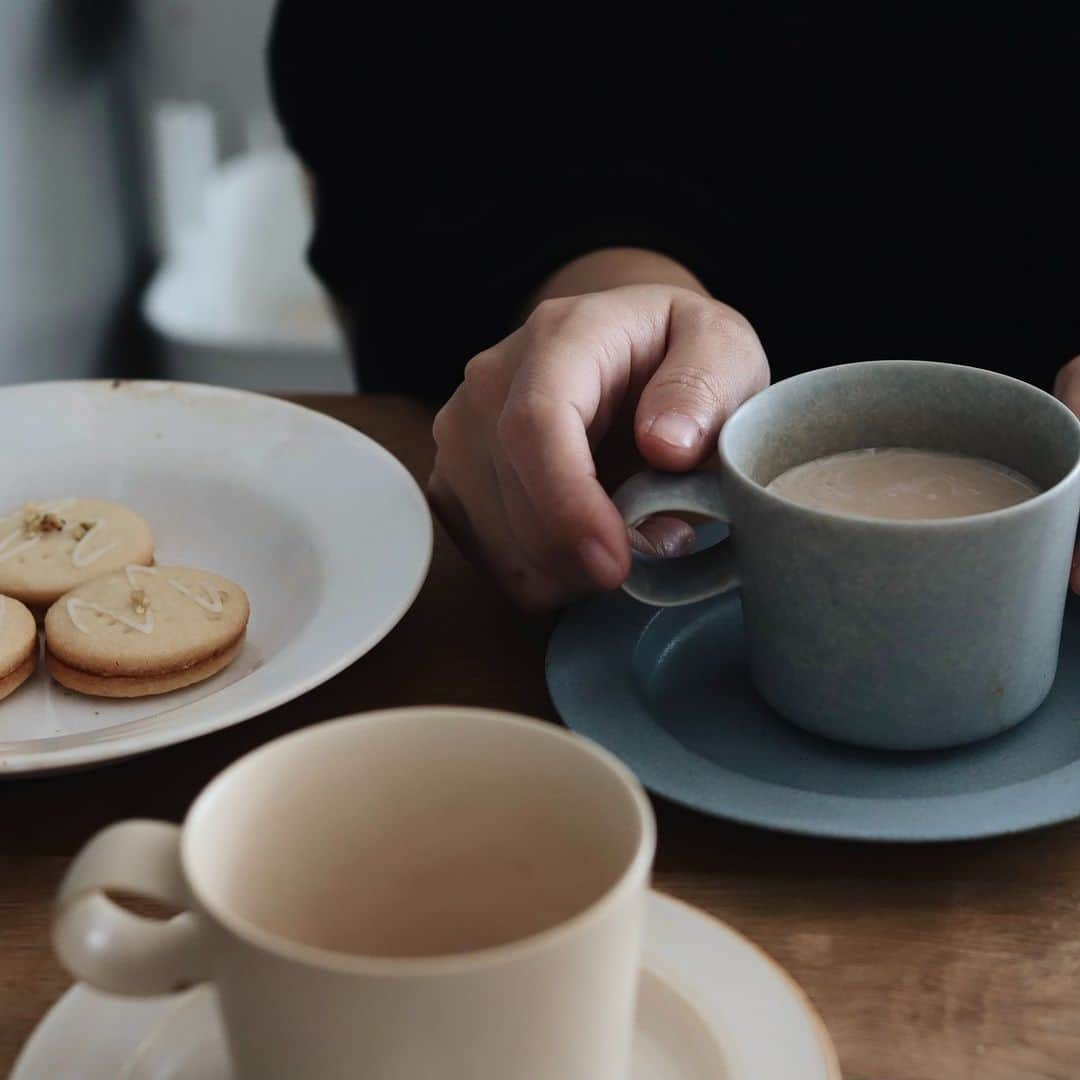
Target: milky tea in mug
x=903, y=484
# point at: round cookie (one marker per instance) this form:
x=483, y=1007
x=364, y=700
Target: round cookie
x=145, y=630
x=50, y=547
x=18, y=645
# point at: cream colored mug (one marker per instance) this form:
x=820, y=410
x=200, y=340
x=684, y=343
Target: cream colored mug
x=417, y=893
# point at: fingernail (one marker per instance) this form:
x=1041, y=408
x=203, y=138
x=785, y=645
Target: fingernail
x=663, y=538
x=676, y=429
x=601, y=565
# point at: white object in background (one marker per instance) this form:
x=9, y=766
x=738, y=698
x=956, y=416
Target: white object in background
x=185, y=155
x=235, y=303
x=202, y=51
x=258, y=221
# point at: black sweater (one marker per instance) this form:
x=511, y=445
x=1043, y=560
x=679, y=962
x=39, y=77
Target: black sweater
x=858, y=189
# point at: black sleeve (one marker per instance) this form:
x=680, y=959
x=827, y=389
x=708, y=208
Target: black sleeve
x=460, y=159
x=448, y=189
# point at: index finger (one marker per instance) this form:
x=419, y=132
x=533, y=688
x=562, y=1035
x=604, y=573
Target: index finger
x=579, y=356
x=548, y=447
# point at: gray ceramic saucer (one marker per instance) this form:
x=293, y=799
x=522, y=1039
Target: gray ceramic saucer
x=667, y=690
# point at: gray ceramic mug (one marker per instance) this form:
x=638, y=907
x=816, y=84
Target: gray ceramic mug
x=890, y=634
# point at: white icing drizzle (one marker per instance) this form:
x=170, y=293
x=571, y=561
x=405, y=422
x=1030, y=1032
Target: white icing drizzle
x=209, y=601
x=133, y=568
x=8, y=552
x=74, y=605
x=81, y=557
x=208, y=597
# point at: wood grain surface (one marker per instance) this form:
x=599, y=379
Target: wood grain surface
x=927, y=962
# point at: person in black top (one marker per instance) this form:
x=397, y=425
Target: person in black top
x=582, y=242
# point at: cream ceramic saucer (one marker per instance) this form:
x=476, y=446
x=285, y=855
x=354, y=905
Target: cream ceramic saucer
x=324, y=529
x=711, y=1006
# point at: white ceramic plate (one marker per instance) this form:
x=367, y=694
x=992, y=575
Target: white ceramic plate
x=712, y=1007
x=325, y=530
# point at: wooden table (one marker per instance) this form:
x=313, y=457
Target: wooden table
x=936, y=962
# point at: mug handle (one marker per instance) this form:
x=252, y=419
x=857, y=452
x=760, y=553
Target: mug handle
x=112, y=949
x=670, y=582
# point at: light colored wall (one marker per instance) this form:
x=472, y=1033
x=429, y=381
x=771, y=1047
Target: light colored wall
x=78, y=79
x=66, y=238
x=212, y=52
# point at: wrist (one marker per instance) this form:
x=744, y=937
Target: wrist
x=609, y=268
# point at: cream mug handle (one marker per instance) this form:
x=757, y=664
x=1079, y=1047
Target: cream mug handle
x=112, y=949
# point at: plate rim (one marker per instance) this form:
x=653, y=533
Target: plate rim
x=15, y=764
x=684, y=910
x=1051, y=798
x=656, y=900
x=38, y=1040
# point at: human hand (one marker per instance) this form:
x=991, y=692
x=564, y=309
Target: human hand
x=1067, y=390
x=515, y=477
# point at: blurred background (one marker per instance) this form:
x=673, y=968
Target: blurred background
x=152, y=223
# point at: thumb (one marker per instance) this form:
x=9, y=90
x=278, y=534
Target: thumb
x=1067, y=385
x=1067, y=390
x=712, y=364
